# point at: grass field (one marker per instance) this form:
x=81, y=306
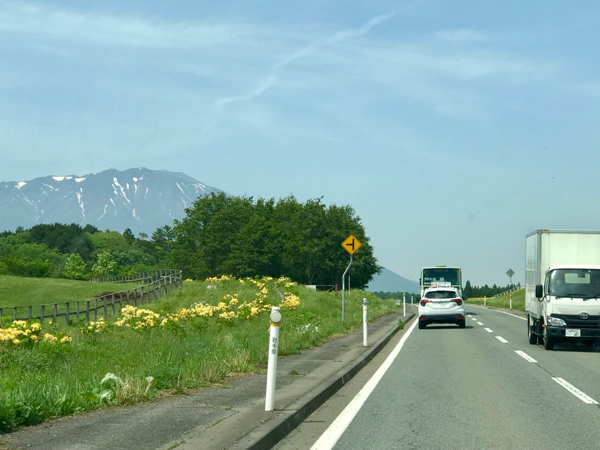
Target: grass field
x=20, y=291
x=503, y=301
x=200, y=335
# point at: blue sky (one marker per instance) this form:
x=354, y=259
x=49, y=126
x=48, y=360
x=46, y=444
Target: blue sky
x=453, y=128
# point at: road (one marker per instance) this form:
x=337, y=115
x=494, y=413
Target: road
x=482, y=387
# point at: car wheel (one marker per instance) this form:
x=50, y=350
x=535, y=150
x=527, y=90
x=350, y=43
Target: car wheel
x=462, y=323
x=533, y=337
x=422, y=325
x=548, y=341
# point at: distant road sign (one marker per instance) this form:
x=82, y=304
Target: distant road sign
x=351, y=244
x=510, y=273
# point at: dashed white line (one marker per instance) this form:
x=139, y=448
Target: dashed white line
x=488, y=330
x=473, y=318
x=525, y=356
x=479, y=323
x=576, y=392
x=501, y=339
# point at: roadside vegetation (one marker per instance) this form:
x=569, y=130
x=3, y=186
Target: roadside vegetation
x=198, y=336
x=239, y=257
x=502, y=301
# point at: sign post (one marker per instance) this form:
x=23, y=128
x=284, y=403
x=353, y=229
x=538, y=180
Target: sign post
x=351, y=245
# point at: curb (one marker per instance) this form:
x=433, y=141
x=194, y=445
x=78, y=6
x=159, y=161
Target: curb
x=271, y=432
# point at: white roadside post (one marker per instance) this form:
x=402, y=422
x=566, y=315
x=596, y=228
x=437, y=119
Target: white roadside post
x=272, y=364
x=365, y=303
x=511, y=300
x=484, y=300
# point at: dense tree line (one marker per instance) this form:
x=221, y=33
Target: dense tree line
x=72, y=251
x=242, y=237
x=220, y=235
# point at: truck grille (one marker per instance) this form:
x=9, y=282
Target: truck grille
x=574, y=321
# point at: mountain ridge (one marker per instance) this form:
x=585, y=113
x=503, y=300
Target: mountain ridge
x=140, y=199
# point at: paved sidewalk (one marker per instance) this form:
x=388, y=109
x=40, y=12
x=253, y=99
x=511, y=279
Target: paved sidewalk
x=232, y=417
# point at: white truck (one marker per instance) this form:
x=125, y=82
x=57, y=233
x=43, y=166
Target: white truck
x=562, y=287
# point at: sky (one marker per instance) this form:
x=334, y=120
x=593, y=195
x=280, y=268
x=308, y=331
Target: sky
x=453, y=128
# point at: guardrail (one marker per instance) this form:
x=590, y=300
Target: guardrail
x=508, y=292
x=153, y=286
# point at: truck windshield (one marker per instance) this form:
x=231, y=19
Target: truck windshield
x=582, y=283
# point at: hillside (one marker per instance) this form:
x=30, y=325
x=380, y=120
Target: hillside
x=388, y=281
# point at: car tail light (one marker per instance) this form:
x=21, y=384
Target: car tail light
x=424, y=301
x=458, y=301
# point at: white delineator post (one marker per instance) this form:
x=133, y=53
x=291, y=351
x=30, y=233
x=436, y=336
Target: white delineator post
x=272, y=364
x=365, y=303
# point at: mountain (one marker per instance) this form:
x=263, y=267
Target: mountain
x=388, y=281
x=140, y=199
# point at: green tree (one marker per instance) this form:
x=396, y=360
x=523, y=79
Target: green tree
x=237, y=236
x=75, y=267
x=106, y=266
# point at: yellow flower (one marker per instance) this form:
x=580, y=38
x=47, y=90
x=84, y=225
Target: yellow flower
x=66, y=339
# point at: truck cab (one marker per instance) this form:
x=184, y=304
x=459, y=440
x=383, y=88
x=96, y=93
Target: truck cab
x=568, y=306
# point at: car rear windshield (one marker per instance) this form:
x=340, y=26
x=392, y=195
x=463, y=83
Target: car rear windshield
x=441, y=294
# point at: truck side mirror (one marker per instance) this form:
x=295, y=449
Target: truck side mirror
x=539, y=291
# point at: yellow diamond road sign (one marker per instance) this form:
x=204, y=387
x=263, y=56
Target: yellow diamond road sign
x=351, y=244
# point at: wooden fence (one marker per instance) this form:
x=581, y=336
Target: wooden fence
x=153, y=285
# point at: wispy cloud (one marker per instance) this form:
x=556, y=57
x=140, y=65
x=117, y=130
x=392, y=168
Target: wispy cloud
x=271, y=78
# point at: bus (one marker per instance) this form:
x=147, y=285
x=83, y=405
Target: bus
x=439, y=276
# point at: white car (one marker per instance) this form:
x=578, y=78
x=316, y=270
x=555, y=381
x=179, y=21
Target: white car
x=441, y=305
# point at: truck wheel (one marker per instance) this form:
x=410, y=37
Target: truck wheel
x=548, y=341
x=533, y=337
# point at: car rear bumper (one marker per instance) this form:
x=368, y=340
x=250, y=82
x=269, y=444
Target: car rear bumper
x=441, y=318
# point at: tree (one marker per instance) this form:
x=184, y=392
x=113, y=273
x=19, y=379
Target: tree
x=237, y=236
x=74, y=267
x=106, y=266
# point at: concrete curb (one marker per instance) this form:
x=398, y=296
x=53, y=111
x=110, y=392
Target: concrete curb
x=271, y=432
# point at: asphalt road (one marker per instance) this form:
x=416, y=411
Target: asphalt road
x=482, y=387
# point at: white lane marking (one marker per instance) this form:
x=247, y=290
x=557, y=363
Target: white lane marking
x=501, y=339
x=479, y=323
x=473, y=318
x=525, y=356
x=498, y=311
x=488, y=330
x=329, y=438
x=576, y=392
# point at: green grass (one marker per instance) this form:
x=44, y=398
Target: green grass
x=21, y=291
x=503, y=301
x=44, y=380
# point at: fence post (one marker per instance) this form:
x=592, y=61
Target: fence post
x=15, y=313
x=42, y=315
x=67, y=313
x=54, y=312
x=87, y=310
x=104, y=307
x=112, y=301
x=30, y=312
